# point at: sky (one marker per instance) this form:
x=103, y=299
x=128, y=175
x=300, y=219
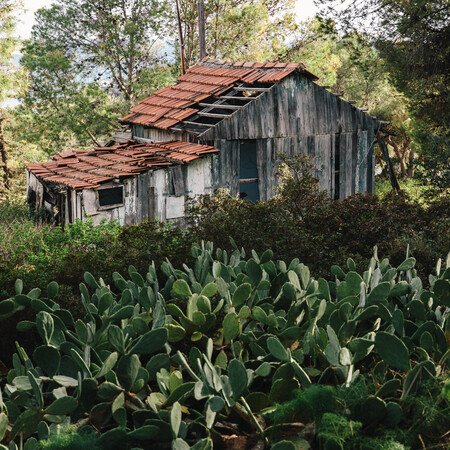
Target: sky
x=303, y=8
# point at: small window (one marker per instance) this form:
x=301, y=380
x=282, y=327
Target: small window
x=110, y=196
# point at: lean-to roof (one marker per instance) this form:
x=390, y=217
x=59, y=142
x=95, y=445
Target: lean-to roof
x=85, y=169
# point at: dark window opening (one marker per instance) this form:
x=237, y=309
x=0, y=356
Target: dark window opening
x=31, y=197
x=171, y=184
x=248, y=172
x=111, y=196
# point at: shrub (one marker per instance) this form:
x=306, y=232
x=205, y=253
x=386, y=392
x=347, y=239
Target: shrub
x=302, y=222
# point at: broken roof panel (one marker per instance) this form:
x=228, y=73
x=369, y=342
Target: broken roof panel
x=89, y=169
x=210, y=77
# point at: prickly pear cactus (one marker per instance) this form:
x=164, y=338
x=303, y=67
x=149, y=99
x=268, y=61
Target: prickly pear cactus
x=168, y=358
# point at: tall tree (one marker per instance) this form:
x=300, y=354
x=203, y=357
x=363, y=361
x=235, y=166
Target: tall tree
x=319, y=49
x=113, y=41
x=238, y=29
x=8, y=75
x=88, y=62
x=353, y=67
x=413, y=37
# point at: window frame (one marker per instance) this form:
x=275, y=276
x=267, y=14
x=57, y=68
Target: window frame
x=112, y=206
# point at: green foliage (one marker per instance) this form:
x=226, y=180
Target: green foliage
x=413, y=43
x=88, y=63
x=335, y=430
x=302, y=222
x=319, y=51
x=69, y=439
x=237, y=29
x=308, y=405
x=167, y=358
x=8, y=43
x=37, y=255
x=414, y=189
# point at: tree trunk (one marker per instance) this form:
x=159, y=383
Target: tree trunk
x=411, y=163
x=401, y=156
x=4, y=156
x=201, y=29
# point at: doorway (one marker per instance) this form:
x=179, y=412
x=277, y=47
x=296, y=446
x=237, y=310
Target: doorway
x=248, y=171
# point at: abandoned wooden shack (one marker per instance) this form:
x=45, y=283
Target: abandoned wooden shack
x=221, y=125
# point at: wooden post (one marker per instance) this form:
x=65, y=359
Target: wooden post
x=180, y=33
x=151, y=203
x=201, y=29
x=384, y=150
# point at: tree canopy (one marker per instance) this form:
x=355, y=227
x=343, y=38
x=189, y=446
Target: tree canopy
x=413, y=40
x=88, y=62
x=255, y=30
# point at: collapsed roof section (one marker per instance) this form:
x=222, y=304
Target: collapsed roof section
x=209, y=92
x=84, y=169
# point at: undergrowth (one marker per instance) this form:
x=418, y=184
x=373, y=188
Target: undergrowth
x=69, y=439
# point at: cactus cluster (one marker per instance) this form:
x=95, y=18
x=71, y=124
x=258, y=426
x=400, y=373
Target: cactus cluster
x=219, y=345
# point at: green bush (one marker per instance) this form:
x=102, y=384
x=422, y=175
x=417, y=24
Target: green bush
x=329, y=231
x=40, y=254
x=37, y=254
x=70, y=440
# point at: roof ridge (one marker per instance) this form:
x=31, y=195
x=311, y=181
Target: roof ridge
x=267, y=65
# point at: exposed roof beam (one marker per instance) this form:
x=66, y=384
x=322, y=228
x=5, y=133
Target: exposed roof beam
x=230, y=97
x=198, y=124
x=220, y=106
x=251, y=88
x=215, y=116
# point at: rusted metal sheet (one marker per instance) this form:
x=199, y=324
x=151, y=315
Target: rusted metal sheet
x=170, y=105
x=84, y=170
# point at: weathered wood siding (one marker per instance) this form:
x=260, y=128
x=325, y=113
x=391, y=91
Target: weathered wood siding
x=146, y=196
x=298, y=116
x=157, y=135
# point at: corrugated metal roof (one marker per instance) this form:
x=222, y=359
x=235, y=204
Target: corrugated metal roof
x=171, y=105
x=81, y=169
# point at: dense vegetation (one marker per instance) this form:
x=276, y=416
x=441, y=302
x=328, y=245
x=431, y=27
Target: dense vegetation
x=300, y=222
x=234, y=350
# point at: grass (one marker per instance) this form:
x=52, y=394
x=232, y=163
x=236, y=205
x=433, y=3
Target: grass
x=414, y=188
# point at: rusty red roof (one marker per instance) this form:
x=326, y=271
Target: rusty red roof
x=85, y=169
x=171, y=105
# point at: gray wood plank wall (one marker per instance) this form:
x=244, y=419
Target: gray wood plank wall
x=157, y=135
x=298, y=116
